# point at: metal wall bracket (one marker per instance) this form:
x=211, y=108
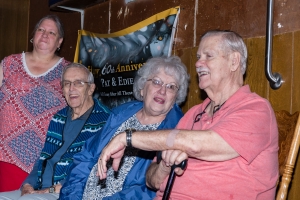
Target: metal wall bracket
x=274, y=79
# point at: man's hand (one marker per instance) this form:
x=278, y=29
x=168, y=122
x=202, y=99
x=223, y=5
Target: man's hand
x=58, y=187
x=46, y=190
x=115, y=149
x=157, y=173
x=171, y=157
x=27, y=189
x=42, y=191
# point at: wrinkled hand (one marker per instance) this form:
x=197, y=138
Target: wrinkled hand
x=157, y=173
x=171, y=157
x=27, y=189
x=58, y=187
x=115, y=149
x=42, y=191
x=46, y=190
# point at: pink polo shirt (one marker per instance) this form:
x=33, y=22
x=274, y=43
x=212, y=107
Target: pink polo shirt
x=246, y=122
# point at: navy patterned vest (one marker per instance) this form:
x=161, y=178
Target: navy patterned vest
x=54, y=140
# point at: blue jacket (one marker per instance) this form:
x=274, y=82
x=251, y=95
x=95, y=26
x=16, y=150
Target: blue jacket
x=134, y=186
x=55, y=139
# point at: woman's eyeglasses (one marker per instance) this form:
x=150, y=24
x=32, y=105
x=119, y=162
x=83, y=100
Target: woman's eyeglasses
x=170, y=87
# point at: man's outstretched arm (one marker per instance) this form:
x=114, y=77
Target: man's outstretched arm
x=205, y=145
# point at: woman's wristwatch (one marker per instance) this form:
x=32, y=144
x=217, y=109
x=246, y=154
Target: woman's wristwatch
x=129, y=136
x=52, y=189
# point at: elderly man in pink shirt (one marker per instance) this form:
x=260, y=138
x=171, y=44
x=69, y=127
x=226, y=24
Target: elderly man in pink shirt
x=230, y=140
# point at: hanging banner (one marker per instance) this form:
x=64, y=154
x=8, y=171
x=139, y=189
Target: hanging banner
x=114, y=58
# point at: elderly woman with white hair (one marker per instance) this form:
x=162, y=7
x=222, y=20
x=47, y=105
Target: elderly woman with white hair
x=159, y=86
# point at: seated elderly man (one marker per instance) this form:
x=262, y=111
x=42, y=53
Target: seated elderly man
x=68, y=130
x=230, y=140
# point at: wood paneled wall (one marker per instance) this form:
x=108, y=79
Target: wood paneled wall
x=14, y=26
x=285, y=61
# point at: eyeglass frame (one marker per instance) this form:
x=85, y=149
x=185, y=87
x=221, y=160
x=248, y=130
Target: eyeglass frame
x=199, y=115
x=167, y=85
x=82, y=83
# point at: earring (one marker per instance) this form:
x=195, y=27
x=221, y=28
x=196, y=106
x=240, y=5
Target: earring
x=58, y=49
x=31, y=40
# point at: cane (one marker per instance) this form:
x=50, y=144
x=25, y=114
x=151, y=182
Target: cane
x=172, y=176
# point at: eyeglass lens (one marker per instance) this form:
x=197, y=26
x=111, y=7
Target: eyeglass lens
x=172, y=87
x=77, y=83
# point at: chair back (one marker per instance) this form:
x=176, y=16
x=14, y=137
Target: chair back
x=289, y=140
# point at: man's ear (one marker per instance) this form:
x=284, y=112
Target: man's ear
x=235, y=59
x=92, y=89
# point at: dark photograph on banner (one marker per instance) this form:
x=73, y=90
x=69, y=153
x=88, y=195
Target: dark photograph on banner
x=115, y=58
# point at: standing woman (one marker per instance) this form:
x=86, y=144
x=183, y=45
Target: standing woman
x=30, y=94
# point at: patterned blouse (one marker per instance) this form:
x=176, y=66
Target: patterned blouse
x=96, y=189
x=27, y=104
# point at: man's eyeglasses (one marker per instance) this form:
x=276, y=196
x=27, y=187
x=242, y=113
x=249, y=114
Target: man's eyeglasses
x=170, y=87
x=77, y=83
x=215, y=109
x=198, y=117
